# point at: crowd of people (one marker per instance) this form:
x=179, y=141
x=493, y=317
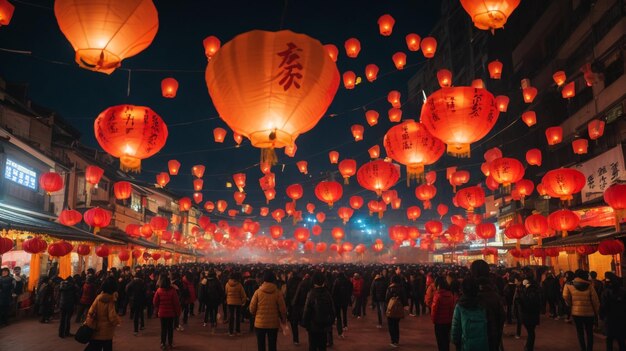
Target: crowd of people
x=468, y=306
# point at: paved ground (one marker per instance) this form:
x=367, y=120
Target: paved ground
x=416, y=334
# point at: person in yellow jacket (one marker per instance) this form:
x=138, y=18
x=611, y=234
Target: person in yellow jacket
x=582, y=298
x=269, y=310
x=103, y=317
x=235, y=299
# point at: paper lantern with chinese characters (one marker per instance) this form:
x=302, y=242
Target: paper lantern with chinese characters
x=103, y=33
x=357, y=132
x=169, y=87
x=329, y=192
x=554, y=135
x=93, y=174
x=371, y=117
x=295, y=192
x=378, y=176
x=429, y=47
x=425, y=193
x=122, y=190
x=410, y=144
x=399, y=60
x=347, y=168
x=173, y=167
x=385, y=25
x=130, y=133
x=470, y=198
x=70, y=217
x=349, y=80
x=486, y=231
x=615, y=196
x=444, y=77
x=563, y=221
x=495, y=69
x=611, y=247
x=489, y=14
x=393, y=97
x=502, y=101
x=563, y=182
x=332, y=51
x=51, y=182
x=537, y=224
x=412, y=41
x=211, y=45
x=595, y=128
x=97, y=218
x=533, y=157
x=580, y=146
x=6, y=12
x=506, y=171
x=530, y=118
x=559, y=77
x=290, y=80
x=459, y=116
x=371, y=72
x=333, y=157
x=353, y=47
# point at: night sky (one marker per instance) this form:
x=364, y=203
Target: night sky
x=79, y=95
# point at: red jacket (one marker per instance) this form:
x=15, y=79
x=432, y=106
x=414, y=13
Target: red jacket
x=88, y=295
x=357, y=286
x=443, y=307
x=191, y=298
x=166, y=303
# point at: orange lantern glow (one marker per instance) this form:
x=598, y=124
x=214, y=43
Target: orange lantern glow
x=396, y=203
x=559, y=77
x=489, y=14
x=569, y=90
x=104, y=33
x=615, y=196
x=219, y=134
x=515, y=231
x=429, y=47
x=459, y=178
x=357, y=132
x=301, y=234
x=270, y=194
x=425, y=193
x=413, y=213
x=554, y=135
x=329, y=192
x=385, y=25
x=431, y=177
x=264, y=211
x=389, y=195
x=537, y=224
x=333, y=156
x=563, y=182
x=122, y=190
x=337, y=233
x=533, y=157
x=378, y=176
x=502, y=101
x=399, y=60
x=486, y=231
x=51, y=182
x=237, y=138
x=444, y=77
x=530, y=118
x=371, y=117
x=495, y=69
x=70, y=217
x=371, y=72
x=345, y=213
x=221, y=206
x=268, y=181
x=93, y=174
x=468, y=118
x=374, y=152
x=332, y=51
x=239, y=197
x=529, y=93
x=232, y=213
x=169, y=87
x=563, y=220
x=442, y=210
x=395, y=115
x=506, y=171
x=295, y=192
x=240, y=180
x=173, y=166
x=347, y=168
x=294, y=83
x=97, y=218
x=159, y=224
x=393, y=97
x=492, y=154
x=353, y=47
x=310, y=207
x=413, y=146
x=197, y=198
x=433, y=227
x=478, y=84
x=197, y=184
x=349, y=80
x=302, y=167
x=184, y=204
x=471, y=198
x=131, y=133
x=6, y=12
x=595, y=128
x=162, y=179
x=276, y=231
x=524, y=188
x=580, y=146
x=356, y=202
x=211, y=45
x=198, y=171
x=321, y=217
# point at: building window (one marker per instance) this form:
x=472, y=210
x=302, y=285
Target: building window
x=614, y=68
x=20, y=174
x=135, y=202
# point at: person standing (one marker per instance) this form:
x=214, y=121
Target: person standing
x=68, y=296
x=7, y=285
x=250, y=285
x=318, y=314
x=297, y=306
x=268, y=308
x=395, y=300
x=341, y=292
x=167, y=306
x=136, y=291
x=491, y=301
x=551, y=292
x=213, y=295
x=103, y=318
x=469, y=321
x=379, y=291
x=293, y=281
x=441, y=313
x=430, y=290
x=584, y=305
x=509, y=294
x=188, y=296
x=235, y=299
x=613, y=310
x=357, y=294
x=45, y=299
x=528, y=302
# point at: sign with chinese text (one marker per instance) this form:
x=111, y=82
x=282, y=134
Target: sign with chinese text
x=19, y=174
x=600, y=172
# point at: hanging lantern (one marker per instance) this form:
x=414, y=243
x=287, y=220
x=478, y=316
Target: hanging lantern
x=470, y=198
x=395, y=115
x=159, y=224
x=6, y=12
x=506, y=171
x=347, y=168
x=270, y=194
x=580, y=146
x=321, y=217
x=264, y=211
x=122, y=190
x=333, y=156
x=429, y=47
x=459, y=220
x=413, y=213
x=97, y=218
x=221, y=206
x=83, y=250
x=211, y=45
x=537, y=224
x=478, y=84
x=276, y=231
x=371, y=117
x=554, y=135
x=569, y=90
x=431, y=177
x=356, y=202
x=459, y=178
x=345, y=213
x=425, y=193
x=294, y=83
x=563, y=220
x=237, y=138
x=393, y=97
x=529, y=93
x=563, y=182
x=490, y=14
x=349, y=80
x=442, y=210
x=209, y=206
x=219, y=134
x=278, y=215
x=459, y=116
x=268, y=181
x=611, y=247
x=385, y=25
x=146, y=231
x=239, y=197
x=371, y=72
x=198, y=171
x=412, y=41
x=374, y=152
x=595, y=128
x=93, y=174
x=320, y=247
x=184, y=204
x=103, y=33
x=524, y=188
x=444, y=77
x=615, y=196
x=130, y=133
x=34, y=245
x=433, y=227
x=338, y=233
x=240, y=180
x=310, y=207
x=162, y=179
x=530, y=118
x=486, y=231
x=169, y=87
x=502, y=101
x=559, y=77
x=51, y=182
x=484, y=168
x=515, y=231
x=357, y=132
x=329, y=192
x=533, y=157
x=353, y=47
x=70, y=217
x=59, y=249
x=302, y=167
x=173, y=166
x=295, y=192
x=492, y=154
x=399, y=60
x=378, y=176
x=495, y=69
x=389, y=195
x=332, y=51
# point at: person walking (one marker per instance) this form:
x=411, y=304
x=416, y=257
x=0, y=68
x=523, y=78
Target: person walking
x=250, y=285
x=613, y=310
x=584, y=305
x=137, y=292
x=68, y=296
x=103, y=318
x=167, y=306
x=469, y=321
x=357, y=294
x=441, y=313
x=212, y=294
x=235, y=299
x=45, y=299
x=7, y=285
x=297, y=307
x=396, y=300
x=341, y=292
x=269, y=310
x=87, y=296
x=188, y=296
x=318, y=314
x=528, y=302
x=378, y=293
x=293, y=281
x=551, y=292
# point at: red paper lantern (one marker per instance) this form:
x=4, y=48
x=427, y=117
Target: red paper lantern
x=162, y=179
x=349, y=80
x=595, y=128
x=102, y=251
x=491, y=14
x=486, y=231
x=459, y=178
x=533, y=157
x=270, y=194
x=554, y=135
x=232, y=213
x=413, y=213
x=264, y=211
x=495, y=69
x=321, y=217
x=378, y=176
x=219, y=134
x=184, y=204
x=333, y=156
x=353, y=47
x=276, y=231
x=347, y=168
x=492, y=154
x=197, y=198
x=320, y=247
x=433, y=227
x=51, y=182
x=316, y=230
x=371, y=117
x=586, y=250
x=173, y=167
x=70, y=217
x=268, y=181
x=332, y=51
x=374, y=152
x=278, y=215
x=357, y=132
x=580, y=146
x=329, y=191
x=569, y=90
x=444, y=77
x=122, y=190
x=563, y=220
x=93, y=174
x=133, y=230
x=156, y=256
x=398, y=233
x=470, y=198
x=221, y=206
x=371, y=72
x=394, y=114
x=6, y=245
x=502, y=101
x=198, y=171
x=399, y=60
x=83, y=250
x=58, y=249
x=159, y=224
x=611, y=247
x=146, y=231
x=345, y=213
x=295, y=192
x=34, y=245
x=169, y=87
x=425, y=193
x=301, y=234
x=239, y=197
x=356, y=202
x=97, y=218
x=559, y=77
x=123, y=255
x=211, y=46
x=530, y=118
x=515, y=231
x=310, y=207
x=338, y=233
x=429, y=47
x=506, y=171
x=393, y=97
x=385, y=25
x=6, y=12
x=529, y=94
x=563, y=183
x=537, y=224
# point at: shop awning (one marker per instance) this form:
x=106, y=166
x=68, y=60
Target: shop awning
x=16, y=218
x=584, y=238
x=119, y=235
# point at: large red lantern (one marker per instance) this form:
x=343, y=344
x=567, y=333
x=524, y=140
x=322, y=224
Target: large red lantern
x=353, y=47
x=413, y=213
x=130, y=133
x=506, y=171
x=470, y=198
x=70, y=217
x=533, y=157
x=338, y=233
x=34, y=245
x=385, y=25
x=563, y=183
x=6, y=245
x=122, y=190
x=429, y=47
x=425, y=193
x=459, y=116
x=410, y=144
x=97, y=218
x=486, y=231
x=537, y=224
x=515, y=231
x=611, y=247
x=489, y=14
x=615, y=196
x=51, y=182
x=563, y=220
x=103, y=33
x=356, y=202
x=329, y=192
x=378, y=176
x=293, y=80
x=347, y=168
x=93, y=174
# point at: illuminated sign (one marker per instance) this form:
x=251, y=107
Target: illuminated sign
x=15, y=172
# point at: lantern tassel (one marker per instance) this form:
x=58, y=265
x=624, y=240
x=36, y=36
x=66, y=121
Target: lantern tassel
x=130, y=164
x=346, y=180
x=268, y=155
x=459, y=150
x=414, y=172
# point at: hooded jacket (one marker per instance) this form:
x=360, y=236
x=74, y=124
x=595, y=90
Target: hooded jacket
x=103, y=317
x=166, y=302
x=582, y=298
x=268, y=307
x=235, y=294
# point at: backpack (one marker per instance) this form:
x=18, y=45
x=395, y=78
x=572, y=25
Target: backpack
x=395, y=309
x=474, y=329
x=322, y=314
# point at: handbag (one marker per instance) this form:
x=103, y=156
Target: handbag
x=85, y=331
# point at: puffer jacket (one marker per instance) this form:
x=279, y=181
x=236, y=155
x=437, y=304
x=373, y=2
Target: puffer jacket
x=442, y=309
x=103, y=317
x=379, y=289
x=166, y=303
x=235, y=293
x=357, y=287
x=268, y=307
x=582, y=298
x=88, y=294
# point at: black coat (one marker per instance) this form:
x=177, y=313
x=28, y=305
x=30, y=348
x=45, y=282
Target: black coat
x=136, y=291
x=312, y=322
x=299, y=299
x=528, y=301
x=551, y=288
x=342, y=292
x=493, y=304
x=68, y=294
x=6, y=290
x=613, y=310
x=379, y=289
x=396, y=290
